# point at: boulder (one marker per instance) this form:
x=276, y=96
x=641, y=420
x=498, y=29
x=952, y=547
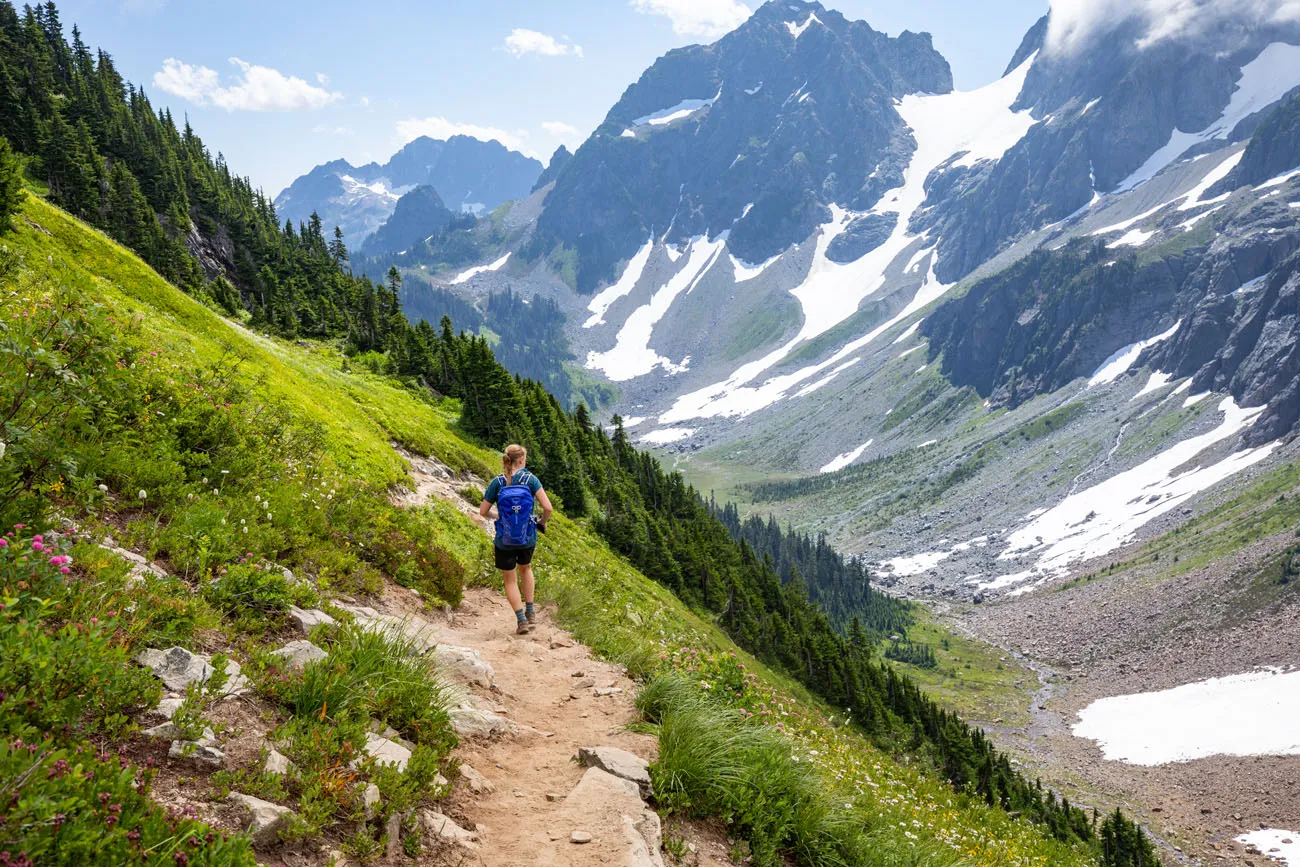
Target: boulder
x=466, y=664
x=262, y=819
x=386, y=751
x=203, y=754
x=611, y=809
x=297, y=654
x=444, y=828
x=307, y=619
x=621, y=764
x=167, y=707
x=178, y=668
x=470, y=722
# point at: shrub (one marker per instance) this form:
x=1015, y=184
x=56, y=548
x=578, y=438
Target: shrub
x=58, y=675
x=64, y=806
x=250, y=588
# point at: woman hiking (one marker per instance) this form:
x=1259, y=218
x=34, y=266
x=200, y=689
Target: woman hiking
x=514, y=493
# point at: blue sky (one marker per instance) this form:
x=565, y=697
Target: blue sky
x=279, y=86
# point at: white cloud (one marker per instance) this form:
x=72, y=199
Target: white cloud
x=256, y=88
x=702, y=19
x=1074, y=23
x=522, y=41
x=441, y=128
x=559, y=128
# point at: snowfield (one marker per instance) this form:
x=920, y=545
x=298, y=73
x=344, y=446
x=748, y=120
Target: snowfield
x=1107, y=516
x=626, y=283
x=1119, y=363
x=667, y=435
x=1252, y=714
x=1264, y=80
x=977, y=125
x=631, y=355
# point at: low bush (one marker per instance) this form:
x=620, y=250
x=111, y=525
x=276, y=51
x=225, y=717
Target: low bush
x=69, y=807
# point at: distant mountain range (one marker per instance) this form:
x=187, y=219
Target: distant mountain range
x=468, y=174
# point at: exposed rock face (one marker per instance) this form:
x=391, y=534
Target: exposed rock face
x=861, y=237
x=792, y=111
x=559, y=160
x=465, y=664
x=1274, y=149
x=417, y=215
x=471, y=722
x=386, y=751
x=308, y=619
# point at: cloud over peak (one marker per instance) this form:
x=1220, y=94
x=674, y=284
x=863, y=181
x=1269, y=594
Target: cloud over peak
x=698, y=19
x=255, y=88
x=522, y=41
x=441, y=128
x=1073, y=23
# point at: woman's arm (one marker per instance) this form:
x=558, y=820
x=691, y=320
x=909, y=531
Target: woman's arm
x=545, y=502
x=485, y=510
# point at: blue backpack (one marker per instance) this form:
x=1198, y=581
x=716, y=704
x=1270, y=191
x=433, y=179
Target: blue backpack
x=515, y=527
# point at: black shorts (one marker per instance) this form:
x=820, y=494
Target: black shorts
x=508, y=558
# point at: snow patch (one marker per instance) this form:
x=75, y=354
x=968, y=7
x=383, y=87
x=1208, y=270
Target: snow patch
x=916, y=565
x=666, y=436
x=911, y=329
x=1133, y=238
x=1194, y=399
x=633, y=421
x=927, y=444
x=1279, y=180
x=1112, y=368
x=1264, y=81
x=796, y=30
x=1275, y=843
x=624, y=286
x=683, y=109
x=842, y=461
x=1250, y=285
x=480, y=269
x=746, y=272
x=908, y=352
x=1159, y=379
x=1252, y=714
x=753, y=90
x=631, y=355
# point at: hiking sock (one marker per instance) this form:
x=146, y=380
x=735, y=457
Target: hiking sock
x=521, y=616
x=529, y=611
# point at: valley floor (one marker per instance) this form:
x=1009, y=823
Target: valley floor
x=1140, y=632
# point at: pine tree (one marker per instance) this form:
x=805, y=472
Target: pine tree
x=11, y=184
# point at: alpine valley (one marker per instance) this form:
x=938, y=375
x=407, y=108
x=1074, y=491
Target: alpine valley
x=1030, y=353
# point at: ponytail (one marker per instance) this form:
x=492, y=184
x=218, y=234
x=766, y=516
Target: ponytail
x=514, y=456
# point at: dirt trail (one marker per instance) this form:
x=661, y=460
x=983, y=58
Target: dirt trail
x=545, y=684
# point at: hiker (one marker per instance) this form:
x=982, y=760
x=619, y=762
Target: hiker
x=514, y=493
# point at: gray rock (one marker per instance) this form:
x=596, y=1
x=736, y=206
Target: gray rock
x=470, y=722
x=169, y=731
x=308, y=619
x=178, y=668
x=277, y=763
x=262, y=819
x=602, y=691
x=168, y=707
x=466, y=664
x=580, y=837
x=621, y=764
x=386, y=751
x=197, y=753
x=478, y=784
x=444, y=828
x=370, y=801
x=299, y=653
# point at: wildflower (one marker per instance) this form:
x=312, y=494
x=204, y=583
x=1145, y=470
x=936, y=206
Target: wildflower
x=2, y=448
x=143, y=494
x=37, y=546
x=103, y=489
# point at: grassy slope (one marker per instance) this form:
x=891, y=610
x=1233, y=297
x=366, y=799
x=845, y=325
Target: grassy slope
x=612, y=607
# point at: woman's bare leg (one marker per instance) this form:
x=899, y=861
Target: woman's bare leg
x=512, y=588
x=526, y=578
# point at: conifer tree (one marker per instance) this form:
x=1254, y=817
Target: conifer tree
x=11, y=184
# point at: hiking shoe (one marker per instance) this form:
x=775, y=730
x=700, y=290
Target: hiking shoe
x=532, y=618
x=523, y=628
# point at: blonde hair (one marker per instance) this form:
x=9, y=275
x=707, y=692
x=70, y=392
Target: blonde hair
x=514, y=456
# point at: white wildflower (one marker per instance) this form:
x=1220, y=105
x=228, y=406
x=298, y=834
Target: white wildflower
x=144, y=495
